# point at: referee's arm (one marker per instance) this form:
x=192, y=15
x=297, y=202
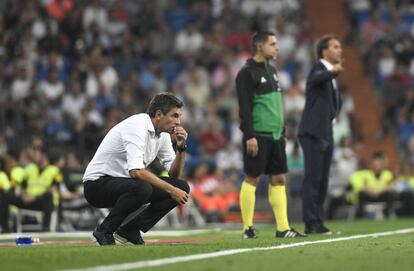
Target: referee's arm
x=244, y=87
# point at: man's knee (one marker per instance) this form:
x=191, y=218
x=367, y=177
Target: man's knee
x=278, y=179
x=252, y=180
x=183, y=185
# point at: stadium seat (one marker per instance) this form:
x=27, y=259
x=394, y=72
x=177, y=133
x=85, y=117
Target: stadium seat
x=374, y=210
x=37, y=216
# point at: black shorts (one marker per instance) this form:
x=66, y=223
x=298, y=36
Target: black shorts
x=270, y=159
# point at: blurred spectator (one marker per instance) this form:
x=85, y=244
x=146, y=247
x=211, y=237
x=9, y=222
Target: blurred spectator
x=214, y=195
x=189, y=40
x=393, y=97
x=345, y=163
x=3, y=146
x=374, y=29
x=386, y=64
x=33, y=153
x=230, y=159
x=95, y=14
x=58, y=9
x=21, y=85
x=239, y=38
x=197, y=90
x=404, y=187
x=296, y=166
x=212, y=138
x=52, y=89
x=374, y=186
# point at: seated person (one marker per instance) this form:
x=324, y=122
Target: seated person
x=33, y=189
x=373, y=185
x=404, y=186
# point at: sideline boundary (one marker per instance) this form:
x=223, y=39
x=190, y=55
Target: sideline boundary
x=202, y=256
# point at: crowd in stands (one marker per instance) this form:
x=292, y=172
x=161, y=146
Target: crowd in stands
x=71, y=69
x=384, y=32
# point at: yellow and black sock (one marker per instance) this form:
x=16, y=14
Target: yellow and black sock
x=278, y=202
x=247, y=202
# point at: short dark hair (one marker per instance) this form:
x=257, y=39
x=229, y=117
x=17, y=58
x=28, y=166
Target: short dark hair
x=378, y=155
x=54, y=155
x=323, y=44
x=164, y=102
x=260, y=36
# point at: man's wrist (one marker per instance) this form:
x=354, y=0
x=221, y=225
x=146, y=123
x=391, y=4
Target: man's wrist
x=182, y=148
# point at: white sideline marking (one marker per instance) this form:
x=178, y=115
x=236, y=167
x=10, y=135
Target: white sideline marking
x=202, y=256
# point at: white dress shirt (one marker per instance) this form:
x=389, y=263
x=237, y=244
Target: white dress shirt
x=131, y=144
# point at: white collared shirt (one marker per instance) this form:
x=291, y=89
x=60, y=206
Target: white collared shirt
x=131, y=144
x=329, y=67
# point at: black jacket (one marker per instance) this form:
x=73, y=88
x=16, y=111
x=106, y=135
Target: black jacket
x=323, y=103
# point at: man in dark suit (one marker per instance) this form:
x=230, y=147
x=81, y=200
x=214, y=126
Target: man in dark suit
x=323, y=103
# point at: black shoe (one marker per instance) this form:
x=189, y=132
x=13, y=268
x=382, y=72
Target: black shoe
x=318, y=230
x=103, y=238
x=292, y=233
x=123, y=237
x=249, y=233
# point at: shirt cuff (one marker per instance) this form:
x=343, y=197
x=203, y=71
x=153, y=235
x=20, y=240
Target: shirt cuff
x=138, y=164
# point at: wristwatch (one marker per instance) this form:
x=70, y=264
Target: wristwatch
x=182, y=148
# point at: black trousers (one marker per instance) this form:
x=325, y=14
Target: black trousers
x=407, y=200
x=126, y=195
x=364, y=198
x=318, y=157
x=42, y=203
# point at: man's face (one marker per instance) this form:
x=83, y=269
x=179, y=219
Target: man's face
x=378, y=164
x=333, y=54
x=270, y=48
x=167, y=122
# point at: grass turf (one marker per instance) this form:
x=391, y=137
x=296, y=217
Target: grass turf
x=381, y=253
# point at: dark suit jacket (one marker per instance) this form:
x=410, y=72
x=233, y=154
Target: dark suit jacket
x=322, y=104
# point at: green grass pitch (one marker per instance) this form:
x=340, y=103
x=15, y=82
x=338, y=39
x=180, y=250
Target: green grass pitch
x=392, y=252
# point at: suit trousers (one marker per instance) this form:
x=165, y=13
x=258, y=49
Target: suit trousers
x=126, y=195
x=318, y=157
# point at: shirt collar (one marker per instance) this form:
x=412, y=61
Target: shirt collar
x=327, y=65
x=150, y=125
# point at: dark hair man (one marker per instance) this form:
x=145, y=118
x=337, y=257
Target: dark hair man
x=323, y=103
x=117, y=177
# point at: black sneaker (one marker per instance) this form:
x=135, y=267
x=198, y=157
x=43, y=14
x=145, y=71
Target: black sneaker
x=249, y=233
x=102, y=238
x=292, y=233
x=124, y=237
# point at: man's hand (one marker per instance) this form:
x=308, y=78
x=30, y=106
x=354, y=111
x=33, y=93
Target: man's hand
x=27, y=199
x=181, y=136
x=338, y=68
x=179, y=195
x=252, y=147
